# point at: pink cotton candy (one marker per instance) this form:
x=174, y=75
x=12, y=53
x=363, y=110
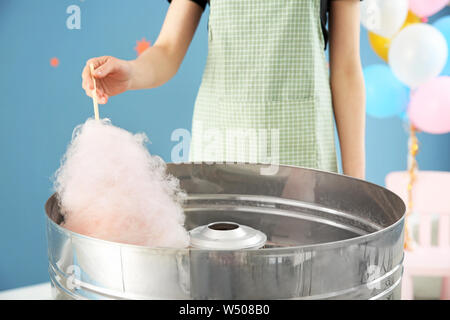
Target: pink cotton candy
x=111, y=188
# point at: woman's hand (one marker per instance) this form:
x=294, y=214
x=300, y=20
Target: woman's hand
x=113, y=76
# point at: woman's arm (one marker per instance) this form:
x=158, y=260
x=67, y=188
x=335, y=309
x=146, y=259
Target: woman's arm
x=154, y=66
x=347, y=85
x=160, y=63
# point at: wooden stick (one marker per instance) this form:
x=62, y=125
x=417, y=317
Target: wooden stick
x=94, y=93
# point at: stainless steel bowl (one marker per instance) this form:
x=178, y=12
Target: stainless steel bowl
x=329, y=236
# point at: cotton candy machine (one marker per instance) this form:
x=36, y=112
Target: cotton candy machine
x=295, y=234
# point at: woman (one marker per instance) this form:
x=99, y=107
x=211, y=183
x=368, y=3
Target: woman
x=265, y=95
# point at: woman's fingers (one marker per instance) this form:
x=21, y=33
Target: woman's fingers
x=104, y=69
x=102, y=97
x=87, y=80
x=88, y=84
x=97, y=62
x=85, y=87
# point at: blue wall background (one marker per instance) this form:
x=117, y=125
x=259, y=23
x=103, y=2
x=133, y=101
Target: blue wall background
x=40, y=105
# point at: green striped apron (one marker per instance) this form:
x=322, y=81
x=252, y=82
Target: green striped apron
x=265, y=94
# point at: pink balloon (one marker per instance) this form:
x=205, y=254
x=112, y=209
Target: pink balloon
x=429, y=109
x=426, y=8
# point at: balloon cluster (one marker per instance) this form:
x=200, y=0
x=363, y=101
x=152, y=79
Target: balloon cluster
x=415, y=82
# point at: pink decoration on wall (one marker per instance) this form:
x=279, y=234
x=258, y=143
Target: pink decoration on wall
x=141, y=46
x=54, y=62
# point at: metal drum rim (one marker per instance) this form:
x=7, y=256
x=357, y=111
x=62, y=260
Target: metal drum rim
x=340, y=175
x=318, y=246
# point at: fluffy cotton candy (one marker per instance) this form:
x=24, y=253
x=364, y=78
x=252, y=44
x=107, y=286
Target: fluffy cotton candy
x=111, y=188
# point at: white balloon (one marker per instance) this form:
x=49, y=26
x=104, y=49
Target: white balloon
x=384, y=17
x=417, y=54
